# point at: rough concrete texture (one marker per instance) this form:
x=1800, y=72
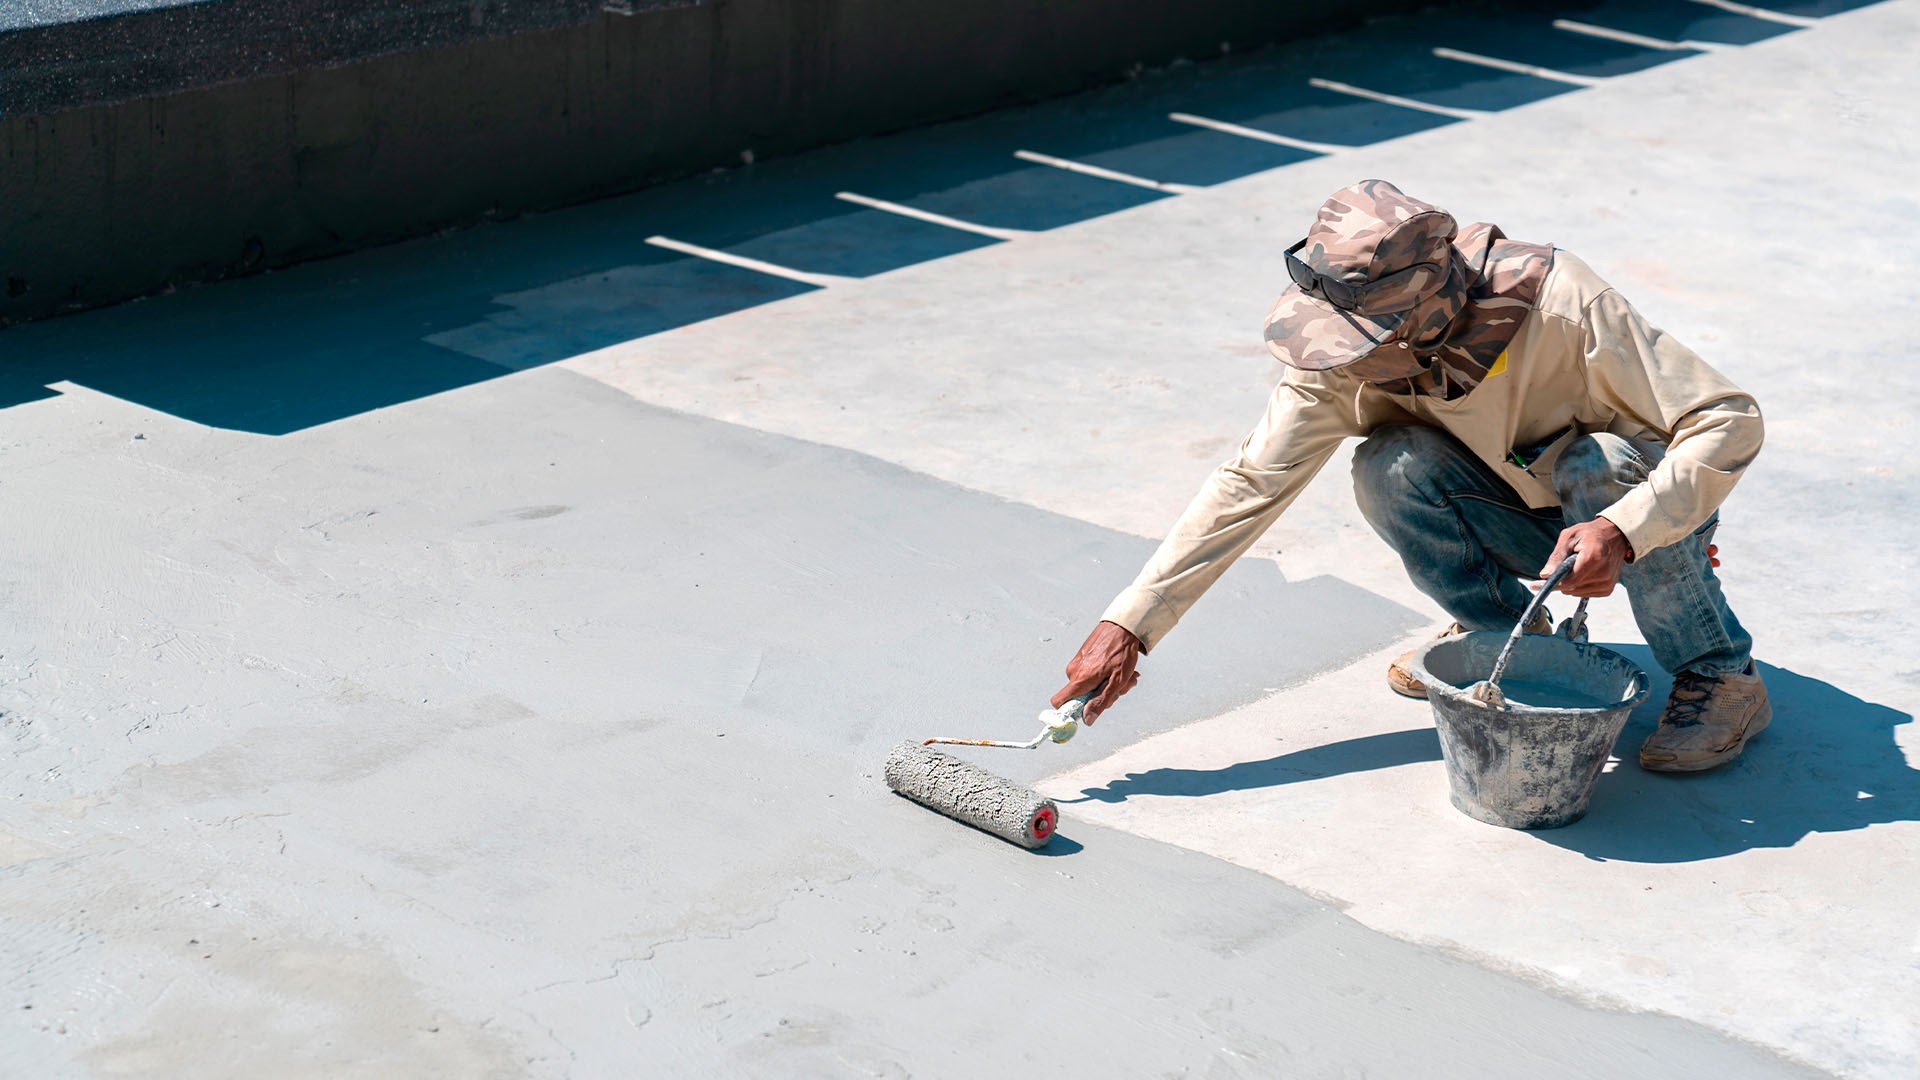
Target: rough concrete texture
x=535, y=731
x=387, y=699
x=971, y=793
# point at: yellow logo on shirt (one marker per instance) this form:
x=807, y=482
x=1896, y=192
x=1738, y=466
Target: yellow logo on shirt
x=1499, y=365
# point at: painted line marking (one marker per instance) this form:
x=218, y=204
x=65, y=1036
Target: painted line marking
x=1256, y=133
x=1760, y=13
x=817, y=280
x=1396, y=99
x=1106, y=174
x=1516, y=67
x=1624, y=37
x=928, y=216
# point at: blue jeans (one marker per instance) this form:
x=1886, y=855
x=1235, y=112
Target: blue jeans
x=1467, y=539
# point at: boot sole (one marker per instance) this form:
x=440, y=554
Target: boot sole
x=1401, y=681
x=1754, y=727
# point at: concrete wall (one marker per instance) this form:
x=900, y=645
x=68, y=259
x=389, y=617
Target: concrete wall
x=117, y=198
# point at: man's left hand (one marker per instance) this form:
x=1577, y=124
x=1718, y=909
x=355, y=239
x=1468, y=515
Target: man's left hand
x=1603, y=550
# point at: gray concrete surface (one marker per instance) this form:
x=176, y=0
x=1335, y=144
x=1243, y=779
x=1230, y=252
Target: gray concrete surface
x=476, y=658
x=538, y=732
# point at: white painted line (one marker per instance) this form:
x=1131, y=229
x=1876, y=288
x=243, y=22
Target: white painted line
x=1256, y=133
x=818, y=280
x=1106, y=174
x=1396, y=99
x=928, y=216
x=1608, y=33
x=1760, y=13
x=1517, y=68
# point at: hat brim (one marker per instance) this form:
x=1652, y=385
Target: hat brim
x=1311, y=334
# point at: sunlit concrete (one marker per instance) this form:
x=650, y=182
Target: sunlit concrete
x=475, y=658
x=1731, y=199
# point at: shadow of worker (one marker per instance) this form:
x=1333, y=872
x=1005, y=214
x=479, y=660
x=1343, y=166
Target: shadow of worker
x=1828, y=763
x=1368, y=752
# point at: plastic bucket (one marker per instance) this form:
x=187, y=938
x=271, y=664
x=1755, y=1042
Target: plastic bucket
x=1527, y=766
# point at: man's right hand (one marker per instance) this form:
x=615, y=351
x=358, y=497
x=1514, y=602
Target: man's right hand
x=1105, y=662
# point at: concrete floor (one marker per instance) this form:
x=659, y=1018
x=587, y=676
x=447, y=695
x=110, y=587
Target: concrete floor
x=476, y=657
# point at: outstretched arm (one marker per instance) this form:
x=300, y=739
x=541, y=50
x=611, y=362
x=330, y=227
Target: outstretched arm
x=1305, y=420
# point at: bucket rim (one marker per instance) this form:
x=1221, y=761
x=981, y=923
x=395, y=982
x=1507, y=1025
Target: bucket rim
x=1641, y=685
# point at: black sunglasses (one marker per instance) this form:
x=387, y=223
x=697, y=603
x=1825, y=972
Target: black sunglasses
x=1351, y=297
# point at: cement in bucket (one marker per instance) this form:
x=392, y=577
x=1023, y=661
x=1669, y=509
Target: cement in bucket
x=1531, y=764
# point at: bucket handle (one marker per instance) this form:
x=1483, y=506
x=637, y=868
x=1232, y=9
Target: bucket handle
x=1638, y=686
x=1539, y=598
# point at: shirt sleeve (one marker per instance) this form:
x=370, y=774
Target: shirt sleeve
x=1712, y=429
x=1303, y=425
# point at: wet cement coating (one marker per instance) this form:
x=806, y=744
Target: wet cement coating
x=1541, y=694
x=530, y=730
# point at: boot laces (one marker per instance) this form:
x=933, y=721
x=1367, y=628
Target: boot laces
x=1692, y=693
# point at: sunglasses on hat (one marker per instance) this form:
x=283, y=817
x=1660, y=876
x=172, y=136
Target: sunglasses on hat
x=1355, y=298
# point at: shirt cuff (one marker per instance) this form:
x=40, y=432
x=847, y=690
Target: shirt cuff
x=1143, y=612
x=1637, y=515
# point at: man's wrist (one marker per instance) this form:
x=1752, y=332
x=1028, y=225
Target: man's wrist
x=1619, y=535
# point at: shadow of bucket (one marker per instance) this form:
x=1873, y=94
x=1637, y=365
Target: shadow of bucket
x=1526, y=766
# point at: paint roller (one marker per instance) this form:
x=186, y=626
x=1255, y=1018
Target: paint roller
x=966, y=792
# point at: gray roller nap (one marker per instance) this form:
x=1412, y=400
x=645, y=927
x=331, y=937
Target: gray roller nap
x=969, y=793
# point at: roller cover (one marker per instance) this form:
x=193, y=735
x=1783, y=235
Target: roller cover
x=969, y=793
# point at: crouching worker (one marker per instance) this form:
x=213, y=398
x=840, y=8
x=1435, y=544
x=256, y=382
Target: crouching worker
x=1515, y=409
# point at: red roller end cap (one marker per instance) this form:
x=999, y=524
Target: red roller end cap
x=1043, y=823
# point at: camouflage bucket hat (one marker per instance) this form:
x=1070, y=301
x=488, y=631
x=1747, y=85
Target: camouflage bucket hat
x=1373, y=256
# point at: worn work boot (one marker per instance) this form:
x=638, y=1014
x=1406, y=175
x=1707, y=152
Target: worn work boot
x=1400, y=672
x=1707, y=721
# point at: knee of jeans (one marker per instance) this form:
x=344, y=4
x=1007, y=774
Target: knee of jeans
x=1594, y=471
x=1388, y=466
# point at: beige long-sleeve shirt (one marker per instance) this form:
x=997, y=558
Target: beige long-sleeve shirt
x=1583, y=361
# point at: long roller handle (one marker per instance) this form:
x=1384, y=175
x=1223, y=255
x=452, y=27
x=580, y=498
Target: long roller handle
x=1056, y=725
